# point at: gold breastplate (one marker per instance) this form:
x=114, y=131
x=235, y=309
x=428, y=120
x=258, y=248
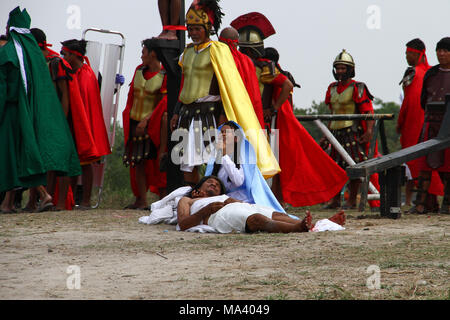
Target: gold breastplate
x=146, y=95
x=342, y=103
x=198, y=74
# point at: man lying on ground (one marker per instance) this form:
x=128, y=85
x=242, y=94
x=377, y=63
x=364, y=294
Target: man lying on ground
x=207, y=204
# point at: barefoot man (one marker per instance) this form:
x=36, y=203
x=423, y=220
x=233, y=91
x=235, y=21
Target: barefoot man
x=207, y=204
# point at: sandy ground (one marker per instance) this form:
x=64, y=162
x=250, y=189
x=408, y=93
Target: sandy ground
x=115, y=257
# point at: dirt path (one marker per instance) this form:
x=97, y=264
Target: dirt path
x=118, y=258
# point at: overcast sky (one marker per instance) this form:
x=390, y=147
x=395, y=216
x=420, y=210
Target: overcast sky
x=309, y=34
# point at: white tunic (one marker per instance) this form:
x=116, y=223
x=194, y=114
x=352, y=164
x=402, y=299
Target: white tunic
x=232, y=178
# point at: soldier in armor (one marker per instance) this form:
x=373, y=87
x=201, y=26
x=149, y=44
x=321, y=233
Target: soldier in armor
x=145, y=127
x=436, y=85
x=347, y=96
x=212, y=92
x=297, y=186
x=200, y=107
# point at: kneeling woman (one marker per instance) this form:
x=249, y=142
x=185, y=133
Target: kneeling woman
x=236, y=167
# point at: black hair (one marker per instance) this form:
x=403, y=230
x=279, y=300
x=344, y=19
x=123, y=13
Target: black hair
x=416, y=44
x=202, y=181
x=3, y=37
x=39, y=35
x=217, y=166
x=76, y=45
x=271, y=54
x=218, y=14
x=149, y=44
x=444, y=43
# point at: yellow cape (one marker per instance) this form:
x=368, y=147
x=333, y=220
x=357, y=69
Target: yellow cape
x=238, y=107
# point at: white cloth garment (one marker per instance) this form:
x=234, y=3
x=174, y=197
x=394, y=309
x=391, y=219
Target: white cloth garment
x=233, y=217
x=165, y=210
x=232, y=178
x=326, y=225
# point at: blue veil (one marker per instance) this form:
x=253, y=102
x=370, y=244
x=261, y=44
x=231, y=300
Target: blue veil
x=254, y=185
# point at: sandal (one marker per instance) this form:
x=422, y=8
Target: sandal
x=45, y=206
x=414, y=210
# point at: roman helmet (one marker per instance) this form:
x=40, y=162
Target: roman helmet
x=346, y=59
x=253, y=28
x=206, y=13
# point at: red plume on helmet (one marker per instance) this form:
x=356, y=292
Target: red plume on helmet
x=255, y=20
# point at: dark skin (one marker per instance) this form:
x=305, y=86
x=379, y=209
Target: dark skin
x=443, y=57
x=169, y=11
x=280, y=222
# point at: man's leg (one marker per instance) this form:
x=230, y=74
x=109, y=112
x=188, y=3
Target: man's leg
x=353, y=187
x=63, y=188
x=51, y=182
x=8, y=202
x=422, y=191
x=445, y=206
x=87, y=180
x=32, y=200
x=45, y=202
x=259, y=222
x=408, y=192
x=141, y=183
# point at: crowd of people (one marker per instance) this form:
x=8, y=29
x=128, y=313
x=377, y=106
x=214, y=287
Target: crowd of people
x=233, y=100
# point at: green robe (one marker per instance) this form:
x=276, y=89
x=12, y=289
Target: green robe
x=34, y=135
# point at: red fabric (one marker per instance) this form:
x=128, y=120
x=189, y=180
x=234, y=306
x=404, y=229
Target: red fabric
x=411, y=115
x=410, y=121
x=171, y=27
x=155, y=178
x=70, y=202
x=308, y=175
x=77, y=54
x=247, y=71
x=90, y=94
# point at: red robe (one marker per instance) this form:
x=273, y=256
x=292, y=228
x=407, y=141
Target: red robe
x=78, y=122
x=155, y=179
x=247, y=71
x=90, y=94
x=308, y=175
x=410, y=122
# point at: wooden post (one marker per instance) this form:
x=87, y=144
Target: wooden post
x=391, y=181
x=168, y=52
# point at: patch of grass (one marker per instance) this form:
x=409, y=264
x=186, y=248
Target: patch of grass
x=278, y=296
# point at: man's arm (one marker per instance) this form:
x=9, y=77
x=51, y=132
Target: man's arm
x=64, y=89
x=186, y=220
x=286, y=89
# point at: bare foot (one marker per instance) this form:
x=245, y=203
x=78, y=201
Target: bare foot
x=171, y=35
x=338, y=218
x=306, y=224
x=168, y=35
